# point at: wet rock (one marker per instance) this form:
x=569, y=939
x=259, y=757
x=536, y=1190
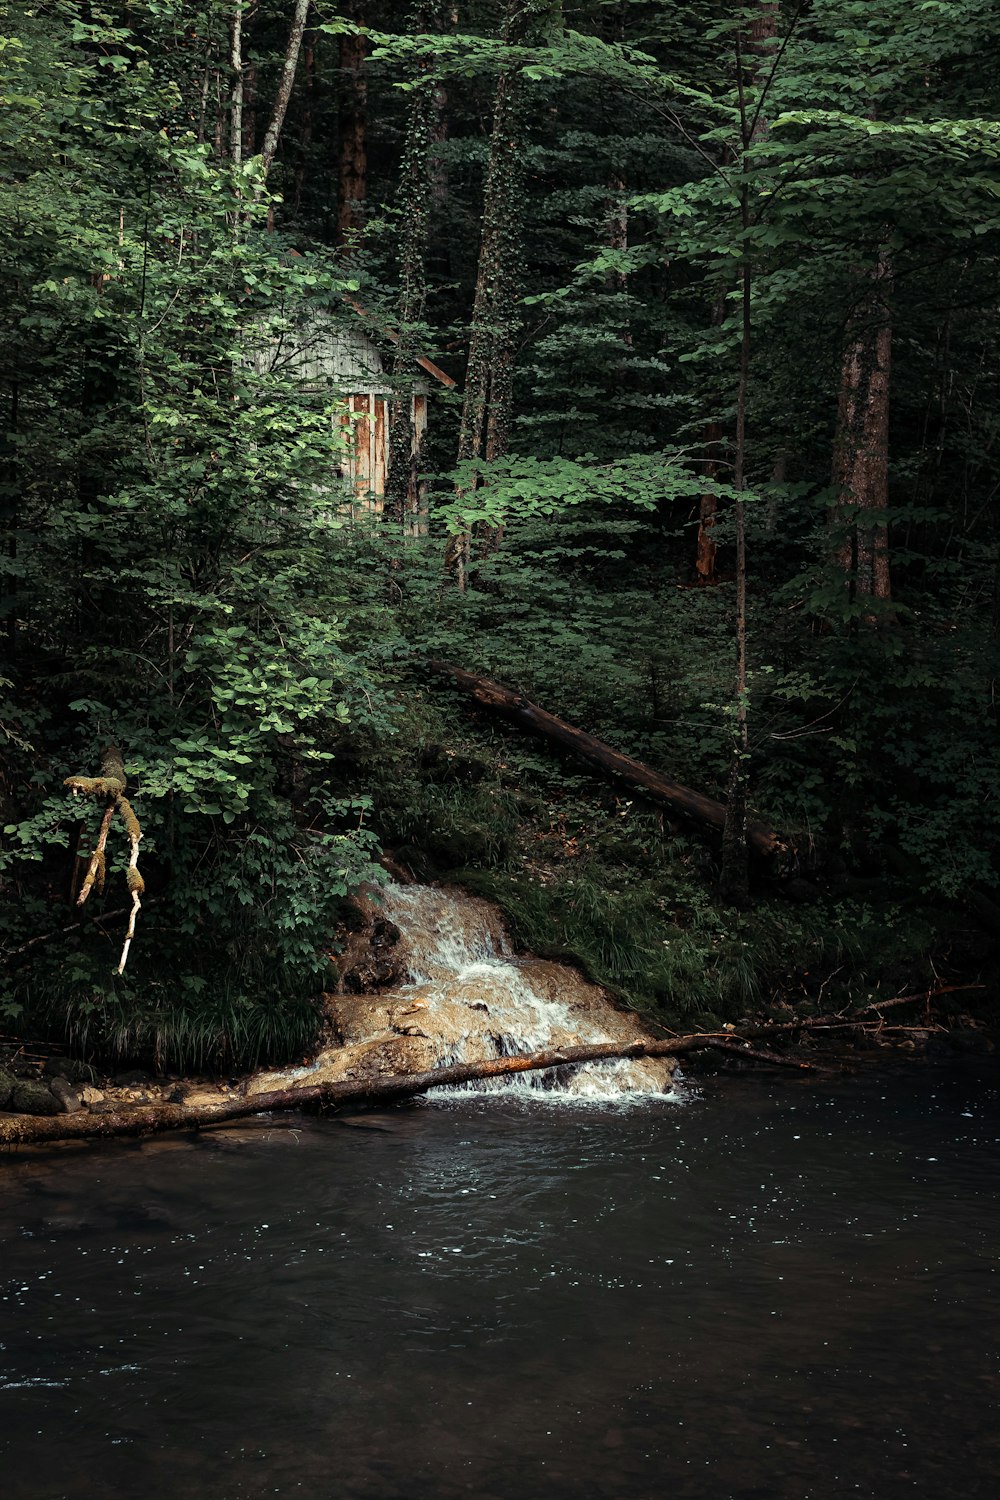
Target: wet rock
x=385, y=934
x=7, y=1082
x=32, y=1097
x=67, y=1094
x=371, y=974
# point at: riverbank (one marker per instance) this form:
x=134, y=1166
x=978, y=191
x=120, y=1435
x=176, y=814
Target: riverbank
x=430, y=994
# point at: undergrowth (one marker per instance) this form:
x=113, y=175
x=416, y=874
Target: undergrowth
x=602, y=881
x=198, y=1030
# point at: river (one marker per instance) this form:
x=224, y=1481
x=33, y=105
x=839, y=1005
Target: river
x=771, y=1287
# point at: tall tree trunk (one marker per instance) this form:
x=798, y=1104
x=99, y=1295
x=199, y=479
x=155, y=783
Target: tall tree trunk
x=306, y=135
x=352, y=177
x=734, y=880
x=757, y=51
x=861, y=444
x=236, y=86
x=490, y=369
x=285, y=84
x=708, y=505
x=414, y=199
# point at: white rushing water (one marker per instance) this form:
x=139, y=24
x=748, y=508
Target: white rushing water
x=478, y=999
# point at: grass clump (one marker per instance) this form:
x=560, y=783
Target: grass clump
x=692, y=964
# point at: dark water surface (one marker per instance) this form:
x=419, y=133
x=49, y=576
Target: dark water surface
x=778, y=1289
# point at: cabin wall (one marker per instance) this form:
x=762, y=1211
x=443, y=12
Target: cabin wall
x=364, y=420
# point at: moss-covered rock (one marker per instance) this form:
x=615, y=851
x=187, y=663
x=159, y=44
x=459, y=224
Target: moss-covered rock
x=30, y=1096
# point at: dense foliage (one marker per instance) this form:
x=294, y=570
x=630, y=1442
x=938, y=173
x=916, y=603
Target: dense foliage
x=677, y=244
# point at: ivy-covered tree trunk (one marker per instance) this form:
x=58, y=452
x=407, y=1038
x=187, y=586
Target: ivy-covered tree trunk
x=861, y=444
x=352, y=176
x=414, y=199
x=489, y=373
x=236, y=85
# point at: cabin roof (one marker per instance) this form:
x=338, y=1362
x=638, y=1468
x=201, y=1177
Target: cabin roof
x=425, y=364
x=325, y=348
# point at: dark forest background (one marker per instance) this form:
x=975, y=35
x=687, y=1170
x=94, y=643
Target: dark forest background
x=716, y=482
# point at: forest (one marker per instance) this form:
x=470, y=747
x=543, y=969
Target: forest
x=383, y=384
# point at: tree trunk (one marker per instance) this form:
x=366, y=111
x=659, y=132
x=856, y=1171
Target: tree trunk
x=152, y=1119
x=734, y=880
x=679, y=800
x=236, y=85
x=861, y=444
x=490, y=368
x=285, y=84
x=352, y=178
x=414, y=200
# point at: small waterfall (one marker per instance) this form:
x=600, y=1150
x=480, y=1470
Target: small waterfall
x=466, y=996
x=432, y=979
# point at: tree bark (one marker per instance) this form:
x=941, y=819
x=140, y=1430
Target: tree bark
x=285, y=84
x=861, y=444
x=489, y=377
x=236, y=85
x=414, y=200
x=352, y=177
x=680, y=800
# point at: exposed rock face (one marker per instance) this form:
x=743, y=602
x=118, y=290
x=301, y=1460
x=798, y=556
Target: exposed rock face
x=457, y=993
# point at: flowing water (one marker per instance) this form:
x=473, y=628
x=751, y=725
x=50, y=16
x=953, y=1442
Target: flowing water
x=769, y=1287
x=464, y=996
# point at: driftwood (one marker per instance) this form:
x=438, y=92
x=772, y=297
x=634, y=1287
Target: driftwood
x=151, y=1119
x=111, y=786
x=866, y=1016
x=775, y=848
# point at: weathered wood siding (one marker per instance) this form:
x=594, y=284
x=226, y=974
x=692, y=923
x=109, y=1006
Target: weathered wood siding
x=324, y=355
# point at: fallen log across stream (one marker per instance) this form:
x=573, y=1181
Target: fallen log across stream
x=778, y=850
x=151, y=1119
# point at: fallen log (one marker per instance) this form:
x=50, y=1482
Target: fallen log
x=775, y=848
x=151, y=1119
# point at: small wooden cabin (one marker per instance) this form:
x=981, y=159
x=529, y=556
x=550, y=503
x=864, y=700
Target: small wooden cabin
x=339, y=356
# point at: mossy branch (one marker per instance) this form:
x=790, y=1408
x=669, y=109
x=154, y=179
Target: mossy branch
x=111, y=786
